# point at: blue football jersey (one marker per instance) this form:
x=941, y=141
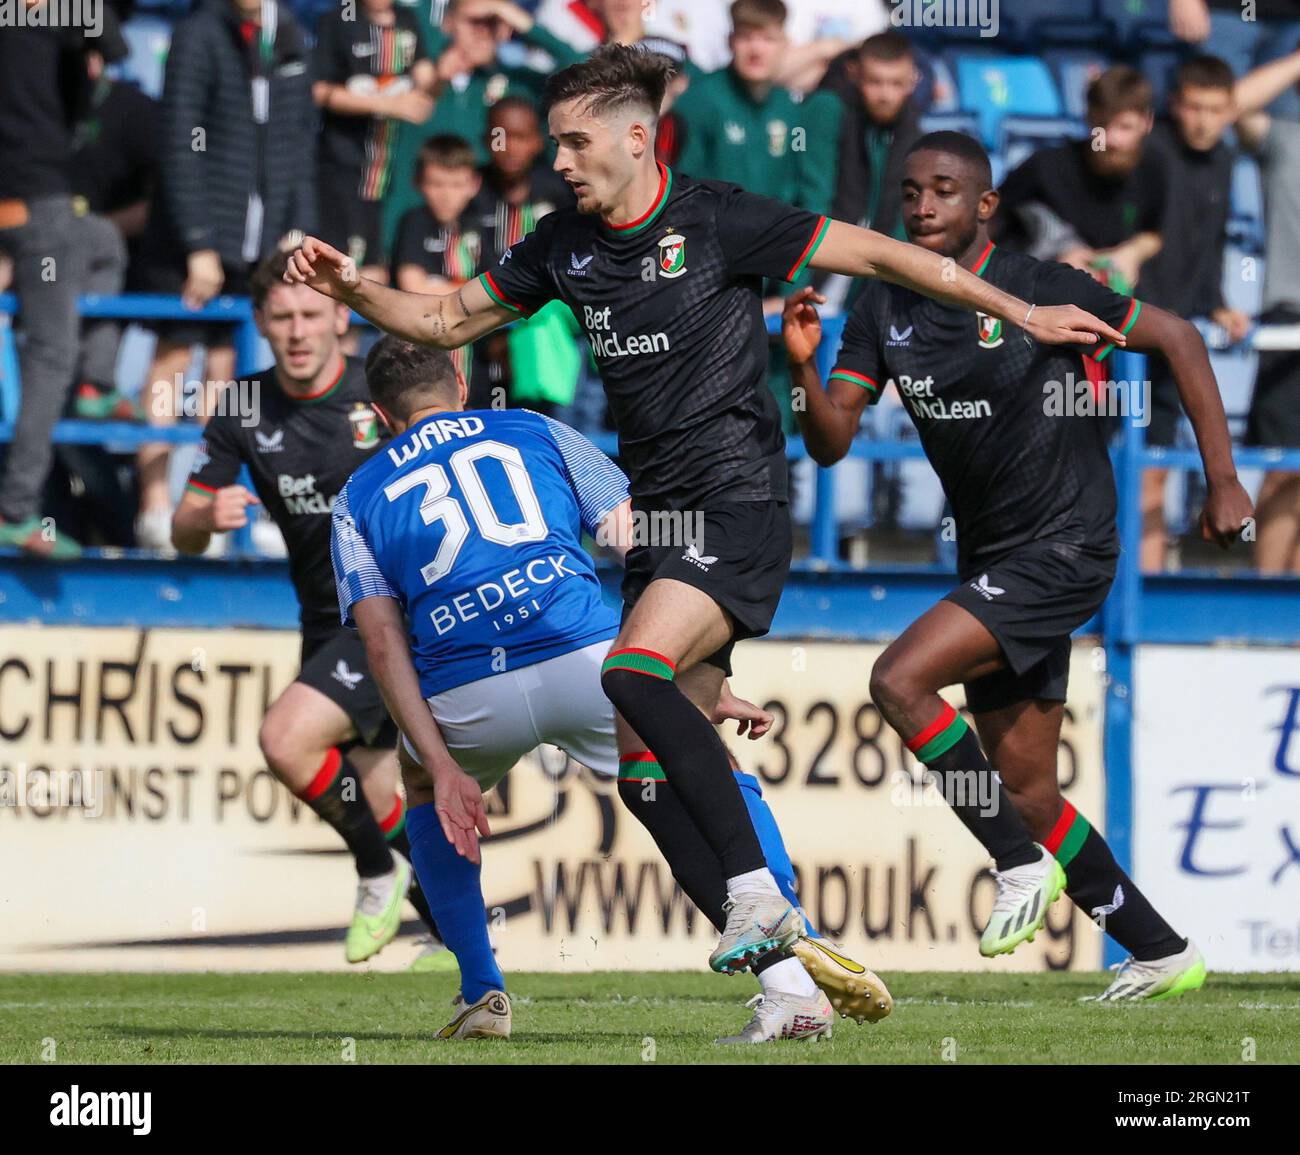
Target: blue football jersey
x=473, y=521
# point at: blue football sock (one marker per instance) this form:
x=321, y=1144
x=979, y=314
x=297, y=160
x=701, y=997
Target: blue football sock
x=769, y=838
x=453, y=888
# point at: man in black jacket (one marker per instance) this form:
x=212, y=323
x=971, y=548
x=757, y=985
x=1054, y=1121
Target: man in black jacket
x=237, y=161
x=881, y=122
x=42, y=91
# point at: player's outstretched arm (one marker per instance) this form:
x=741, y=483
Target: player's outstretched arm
x=1227, y=505
x=457, y=797
x=828, y=418
x=446, y=320
x=858, y=252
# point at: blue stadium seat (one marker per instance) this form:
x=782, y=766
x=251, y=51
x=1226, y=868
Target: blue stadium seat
x=148, y=38
x=1129, y=15
x=966, y=122
x=994, y=87
x=1023, y=135
x=937, y=90
x=1074, y=69
x=1158, y=65
x=853, y=510
x=1246, y=224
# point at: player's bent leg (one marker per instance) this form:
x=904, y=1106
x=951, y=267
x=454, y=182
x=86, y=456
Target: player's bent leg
x=379, y=774
x=675, y=624
x=300, y=738
x=1022, y=739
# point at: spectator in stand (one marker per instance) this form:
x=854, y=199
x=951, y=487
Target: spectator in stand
x=609, y=22
x=518, y=190
x=115, y=170
x=43, y=88
x=469, y=81
x=237, y=179
x=1275, y=406
x=1096, y=203
x=880, y=123
x=438, y=248
x=741, y=126
x=1186, y=276
x=371, y=74
x=1243, y=34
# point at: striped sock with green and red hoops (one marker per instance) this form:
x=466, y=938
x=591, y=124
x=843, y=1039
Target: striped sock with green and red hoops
x=394, y=829
x=950, y=750
x=1099, y=888
x=335, y=794
x=690, y=754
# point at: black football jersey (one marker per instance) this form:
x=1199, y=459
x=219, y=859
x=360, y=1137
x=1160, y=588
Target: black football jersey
x=671, y=307
x=299, y=453
x=1006, y=421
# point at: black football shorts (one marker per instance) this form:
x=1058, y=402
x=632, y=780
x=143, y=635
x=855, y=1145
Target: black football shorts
x=740, y=557
x=1031, y=601
x=334, y=662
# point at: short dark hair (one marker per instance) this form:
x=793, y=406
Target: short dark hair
x=612, y=77
x=516, y=102
x=757, y=13
x=1119, y=89
x=446, y=150
x=404, y=376
x=1203, y=72
x=958, y=144
x=886, y=46
x=266, y=276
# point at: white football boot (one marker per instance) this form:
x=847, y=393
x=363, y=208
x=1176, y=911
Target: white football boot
x=1161, y=978
x=1024, y=894
x=489, y=1018
x=756, y=924
x=779, y=1015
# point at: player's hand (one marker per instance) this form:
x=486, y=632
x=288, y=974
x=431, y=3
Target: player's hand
x=801, y=326
x=749, y=716
x=230, y=508
x=459, y=803
x=1070, y=325
x=1227, y=510
x=204, y=277
x=323, y=268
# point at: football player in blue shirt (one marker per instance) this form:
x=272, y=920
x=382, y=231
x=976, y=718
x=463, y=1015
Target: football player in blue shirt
x=469, y=528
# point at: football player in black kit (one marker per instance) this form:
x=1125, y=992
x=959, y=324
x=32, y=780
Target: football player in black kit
x=1027, y=472
x=665, y=274
x=328, y=737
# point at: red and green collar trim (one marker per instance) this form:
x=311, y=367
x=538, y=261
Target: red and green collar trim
x=1130, y=319
x=982, y=261
x=321, y=394
x=657, y=206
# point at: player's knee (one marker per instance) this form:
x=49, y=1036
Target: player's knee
x=890, y=687
x=623, y=687
x=287, y=756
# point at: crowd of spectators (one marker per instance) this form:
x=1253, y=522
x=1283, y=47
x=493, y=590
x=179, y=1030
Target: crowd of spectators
x=410, y=136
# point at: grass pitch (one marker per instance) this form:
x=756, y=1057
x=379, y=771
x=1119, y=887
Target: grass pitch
x=630, y=1018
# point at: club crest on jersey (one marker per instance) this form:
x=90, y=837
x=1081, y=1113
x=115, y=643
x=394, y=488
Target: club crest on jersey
x=672, y=255
x=365, y=426
x=990, y=331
